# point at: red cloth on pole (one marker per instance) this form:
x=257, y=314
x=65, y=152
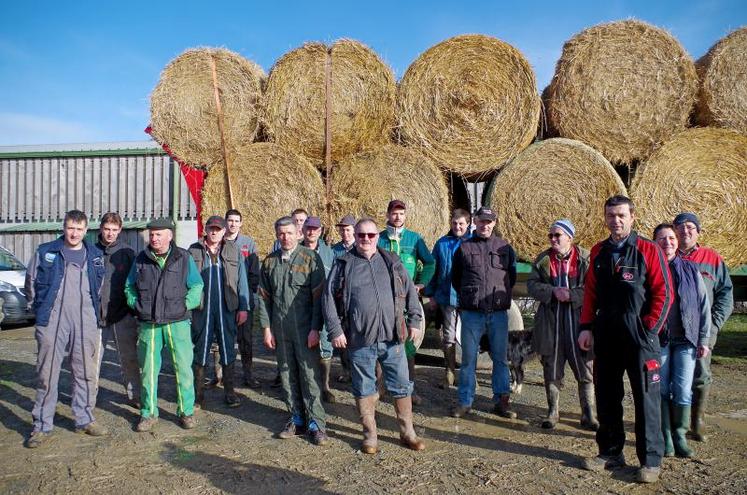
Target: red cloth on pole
x=195, y=179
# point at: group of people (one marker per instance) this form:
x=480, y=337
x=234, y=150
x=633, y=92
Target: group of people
x=649, y=308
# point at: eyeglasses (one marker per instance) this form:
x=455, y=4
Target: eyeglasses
x=363, y=235
x=556, y=235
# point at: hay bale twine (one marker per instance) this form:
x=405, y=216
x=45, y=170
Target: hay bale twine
x=365, y=183
x=557, y=178
x=703, y=170
x=722, y=98
x=469, y=103
x=268, y=182
x=362, y=100
x=183, y=110
x=622, y=88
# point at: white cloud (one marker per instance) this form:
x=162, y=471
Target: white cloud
x=21, y=128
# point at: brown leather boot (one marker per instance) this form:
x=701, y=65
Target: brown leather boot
x=199, y=381
x=327, y=395
x=367, y=411
x=503, y=407
x=403, y=407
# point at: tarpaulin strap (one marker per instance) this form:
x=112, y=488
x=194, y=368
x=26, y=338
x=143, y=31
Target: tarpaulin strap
x=216, y=93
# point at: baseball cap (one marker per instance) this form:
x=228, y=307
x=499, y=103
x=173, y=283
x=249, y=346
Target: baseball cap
x=346, y=220
x=485, y=213
x=313, y=222
x=396, y=204
x=215, y=221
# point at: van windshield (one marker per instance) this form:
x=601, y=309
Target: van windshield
x=8, y=262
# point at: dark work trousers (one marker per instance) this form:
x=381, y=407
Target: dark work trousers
x=214, y=322
x=246, y=347
x=617, y=351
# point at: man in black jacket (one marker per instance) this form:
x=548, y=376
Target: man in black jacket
x=483, y=275
x=118, y=322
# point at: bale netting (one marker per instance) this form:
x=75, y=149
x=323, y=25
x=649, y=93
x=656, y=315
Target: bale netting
x=361, y=100
x=702, y=170
x=365, y=183
x=469, y=103
x=268, y=182
x=622, y=88
x=184, y=113
x=552, y=179
x=722, y=98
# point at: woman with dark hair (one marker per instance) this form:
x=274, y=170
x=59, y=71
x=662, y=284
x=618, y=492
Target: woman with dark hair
x=684, y=339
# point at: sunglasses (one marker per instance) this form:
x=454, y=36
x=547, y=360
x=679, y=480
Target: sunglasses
x=556, y=235
x=363, y=235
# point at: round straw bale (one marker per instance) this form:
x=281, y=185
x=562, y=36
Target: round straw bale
x=362, y=100
x=622, y=88
x=722, y=99
x=365, y=183
x=702, y=170
x=469, y=103
x=184, y=113
x=268, y=182
x=552, y=179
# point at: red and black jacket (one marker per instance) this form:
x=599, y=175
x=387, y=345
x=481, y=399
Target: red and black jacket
x=634, y=291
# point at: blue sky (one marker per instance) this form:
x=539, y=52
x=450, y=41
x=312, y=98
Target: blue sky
x=82, y=71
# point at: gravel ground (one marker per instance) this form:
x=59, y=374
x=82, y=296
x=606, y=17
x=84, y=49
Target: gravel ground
x=233, y=450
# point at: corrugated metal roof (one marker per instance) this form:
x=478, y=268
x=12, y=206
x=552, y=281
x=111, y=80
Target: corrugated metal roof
x=119, y=148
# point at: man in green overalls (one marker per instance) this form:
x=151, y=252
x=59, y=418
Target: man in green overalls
x=290, y=313
x=163, y=287
x=412, y=252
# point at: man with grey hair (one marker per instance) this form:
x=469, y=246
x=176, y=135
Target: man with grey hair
x=371, y=308
x=289, y=306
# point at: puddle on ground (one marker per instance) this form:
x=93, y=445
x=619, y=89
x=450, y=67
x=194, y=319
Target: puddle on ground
x=734, y=421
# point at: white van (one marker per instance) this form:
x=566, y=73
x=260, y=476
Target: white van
x=14, y=306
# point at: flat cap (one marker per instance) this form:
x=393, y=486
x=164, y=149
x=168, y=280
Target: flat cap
x=161, y=224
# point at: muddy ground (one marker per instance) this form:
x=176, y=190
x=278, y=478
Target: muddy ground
x=233, y=451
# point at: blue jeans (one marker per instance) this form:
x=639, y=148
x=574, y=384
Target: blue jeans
x=677, y=370
x=474, y=325
x=393, y=361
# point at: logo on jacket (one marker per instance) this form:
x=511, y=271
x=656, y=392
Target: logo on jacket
x=49, y=257
x=627, y=276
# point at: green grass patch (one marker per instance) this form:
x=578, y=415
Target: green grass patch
x=731, y=347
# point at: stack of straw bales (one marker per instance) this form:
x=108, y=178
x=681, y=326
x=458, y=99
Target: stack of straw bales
x=469, y=103
x=623, y=88
x=184, y=112
x=365, y=183
x=556, y=178
x=704, y=171
x=361, y=100
x=272, y=181
x=722, y=98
